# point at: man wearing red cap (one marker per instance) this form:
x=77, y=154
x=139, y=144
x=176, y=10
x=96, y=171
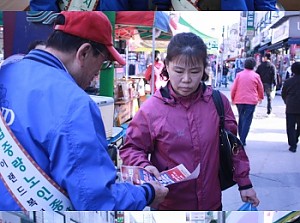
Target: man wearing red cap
x=43, y=102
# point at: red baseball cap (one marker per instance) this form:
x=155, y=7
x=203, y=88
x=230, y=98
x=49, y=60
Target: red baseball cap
x=91, y=25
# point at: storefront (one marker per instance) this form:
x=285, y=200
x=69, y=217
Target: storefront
x=283, y=42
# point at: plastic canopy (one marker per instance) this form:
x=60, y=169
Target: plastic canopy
x=127, y=22
x=149, y=25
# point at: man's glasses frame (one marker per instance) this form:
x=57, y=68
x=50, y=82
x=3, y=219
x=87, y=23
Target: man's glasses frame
x=106, y=63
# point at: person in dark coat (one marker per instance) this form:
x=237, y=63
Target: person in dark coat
x=267, y=73
x=291, y=96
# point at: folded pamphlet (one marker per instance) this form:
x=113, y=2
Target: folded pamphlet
x=138, y=175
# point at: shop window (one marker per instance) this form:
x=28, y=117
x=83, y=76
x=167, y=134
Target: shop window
x=57, y=217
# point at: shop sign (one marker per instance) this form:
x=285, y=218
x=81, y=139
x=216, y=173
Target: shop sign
x=295, y=27
x=250, y=23
x=197, y=216
x=281, y=32
x=243, y=26
x=265, y=37
x=255, y=41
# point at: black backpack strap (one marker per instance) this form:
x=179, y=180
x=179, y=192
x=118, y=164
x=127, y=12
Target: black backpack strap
x=217, y=98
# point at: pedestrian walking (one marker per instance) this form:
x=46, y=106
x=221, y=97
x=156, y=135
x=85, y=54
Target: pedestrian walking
x=179, y=124
x=246, y=92
x=225, y=72
x=267, y=73
x=60, y=126
x=291, y=96
x=158, y=66
x=239, y=64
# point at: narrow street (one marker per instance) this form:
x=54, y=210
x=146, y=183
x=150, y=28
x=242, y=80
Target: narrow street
x=274, y=169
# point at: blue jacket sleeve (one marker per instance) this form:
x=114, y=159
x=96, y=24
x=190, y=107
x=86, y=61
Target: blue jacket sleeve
x=265, y=5
x=229, y=5
x=122, y=5
x=80, y=164
x=250, y=5
x=162, y=4
x=116, y=5
x=43, y=5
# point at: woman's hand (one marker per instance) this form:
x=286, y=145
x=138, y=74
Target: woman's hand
x=154, y=171
x=249, y=195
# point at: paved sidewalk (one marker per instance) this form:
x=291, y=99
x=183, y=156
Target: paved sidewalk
x=275, y=171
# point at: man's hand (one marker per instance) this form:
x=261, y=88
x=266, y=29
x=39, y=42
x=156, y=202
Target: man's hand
x=160, y=193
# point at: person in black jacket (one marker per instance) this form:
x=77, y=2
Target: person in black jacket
x=267, y=73
x=291, y=96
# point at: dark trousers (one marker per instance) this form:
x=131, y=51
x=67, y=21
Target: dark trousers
x=267, y=90
x=293, y=128
x=246, y=112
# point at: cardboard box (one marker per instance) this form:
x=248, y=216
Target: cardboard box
x=106, y=106
x=123, y=112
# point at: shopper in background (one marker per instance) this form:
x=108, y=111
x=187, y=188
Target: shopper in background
x=225, y=72
x=59, y=124
x=291, y=95
x=179, y=124
x=246, y=92
x=267, y=73
x=158, y=66
x=239, y=64
x=288, y=72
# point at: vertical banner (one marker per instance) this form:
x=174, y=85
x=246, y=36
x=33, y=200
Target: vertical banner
x=250, y=23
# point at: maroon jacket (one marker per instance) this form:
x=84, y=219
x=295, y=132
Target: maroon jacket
x=185, y=130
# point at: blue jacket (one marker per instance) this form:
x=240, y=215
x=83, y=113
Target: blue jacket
x=61, y=128
x=249, y=5
x=109, y=5
x=105, y=5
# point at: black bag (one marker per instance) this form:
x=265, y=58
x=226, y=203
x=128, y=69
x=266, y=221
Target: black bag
x=229, y=146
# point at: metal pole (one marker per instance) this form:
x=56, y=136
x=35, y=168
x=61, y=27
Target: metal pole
x=153, y=58
x=221, y=216
x=222, y=57
x=127, y=60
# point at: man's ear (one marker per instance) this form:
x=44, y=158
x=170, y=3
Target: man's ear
x=83, y=51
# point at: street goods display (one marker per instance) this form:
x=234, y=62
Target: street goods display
x=230, y=145
x=138, y=175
